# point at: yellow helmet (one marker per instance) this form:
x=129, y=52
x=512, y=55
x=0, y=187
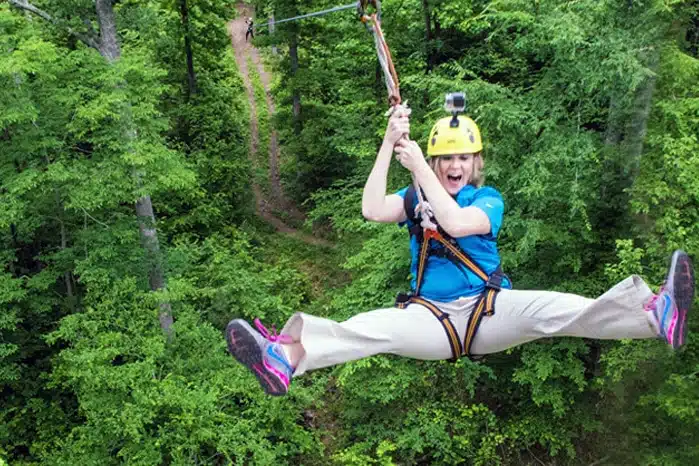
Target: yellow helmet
x=445, y=139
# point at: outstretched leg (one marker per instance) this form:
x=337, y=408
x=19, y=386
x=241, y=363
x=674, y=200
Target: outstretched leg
x=412, y=332
x=308, y=342
x=628, y=310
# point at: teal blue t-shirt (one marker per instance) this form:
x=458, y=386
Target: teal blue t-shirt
x=443, y=280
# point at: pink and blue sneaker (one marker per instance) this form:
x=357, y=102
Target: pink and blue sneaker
x=674, y=300
x=261, y=352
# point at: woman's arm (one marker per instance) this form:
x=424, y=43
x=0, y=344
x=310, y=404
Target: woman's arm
x=457, y=221
x=376, y=205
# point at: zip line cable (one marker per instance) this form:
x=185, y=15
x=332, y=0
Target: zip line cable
x=310, y=15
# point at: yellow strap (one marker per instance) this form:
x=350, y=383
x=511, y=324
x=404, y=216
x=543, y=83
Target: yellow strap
x=452, y=334
x=466, y=261
x=421, y=263
x=473, y=325
x=490, y=303
x=485, y=304
x=431, y=234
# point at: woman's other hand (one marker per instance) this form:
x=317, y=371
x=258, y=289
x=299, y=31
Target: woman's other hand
x=409, y=154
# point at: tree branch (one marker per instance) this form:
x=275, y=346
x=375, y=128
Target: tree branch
x=25, y=5
x=90, y=30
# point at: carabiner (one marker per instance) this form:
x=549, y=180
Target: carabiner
x=363, y=10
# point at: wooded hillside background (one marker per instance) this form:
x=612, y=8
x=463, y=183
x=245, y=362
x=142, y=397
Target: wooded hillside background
x=128, y=232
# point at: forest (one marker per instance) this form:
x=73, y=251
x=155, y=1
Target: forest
x=141, y=210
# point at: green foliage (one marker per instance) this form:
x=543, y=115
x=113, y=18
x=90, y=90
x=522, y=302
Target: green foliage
x=224, y=278
x=560, y=91
x=11, y=292
x=138, y=395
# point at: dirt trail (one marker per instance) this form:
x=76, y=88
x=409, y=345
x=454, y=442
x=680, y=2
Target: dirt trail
x=265, y=208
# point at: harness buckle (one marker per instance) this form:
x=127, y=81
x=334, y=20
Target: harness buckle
x=402, y=300
x=494, y=282
x=431, y=234
x=495, y=279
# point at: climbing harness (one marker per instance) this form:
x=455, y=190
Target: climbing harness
x=439, y=243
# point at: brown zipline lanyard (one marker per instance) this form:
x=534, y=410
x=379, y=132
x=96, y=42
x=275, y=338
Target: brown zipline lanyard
x=373, y=24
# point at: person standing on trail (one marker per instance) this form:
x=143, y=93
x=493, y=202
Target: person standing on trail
x=250, y=32
x=461, y=302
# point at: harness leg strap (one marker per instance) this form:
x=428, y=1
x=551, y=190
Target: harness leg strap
x=452, y=335
x=484, y=306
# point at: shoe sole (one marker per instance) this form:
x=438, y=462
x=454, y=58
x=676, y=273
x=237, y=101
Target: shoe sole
x=682, y=276
x=243, y=346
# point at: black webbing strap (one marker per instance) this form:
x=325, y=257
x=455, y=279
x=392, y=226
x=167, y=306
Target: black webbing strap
x=408, y=206
x=408, y=201
x=402, y=302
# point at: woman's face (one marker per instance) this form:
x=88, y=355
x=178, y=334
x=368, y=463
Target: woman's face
x=454, y=171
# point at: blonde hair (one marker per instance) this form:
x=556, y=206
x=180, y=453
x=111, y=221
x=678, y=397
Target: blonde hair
x=477, y=175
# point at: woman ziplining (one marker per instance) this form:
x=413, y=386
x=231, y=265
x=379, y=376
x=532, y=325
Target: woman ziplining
x=444, y=310
x=461, y=303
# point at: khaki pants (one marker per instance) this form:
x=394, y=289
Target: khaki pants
x=520, y=316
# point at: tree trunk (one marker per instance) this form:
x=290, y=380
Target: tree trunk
x=636, y=131
x=15, y=246
x=109, y=42
x=296, y=96
x=612, y=135
x=429, y=46
x=191, y=77
x=67, y=275
x=692, y=36
x=611, y=186
x=149, y=239
x=110, y=50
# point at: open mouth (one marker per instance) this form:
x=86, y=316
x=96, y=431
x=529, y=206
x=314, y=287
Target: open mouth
x=454, y=178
